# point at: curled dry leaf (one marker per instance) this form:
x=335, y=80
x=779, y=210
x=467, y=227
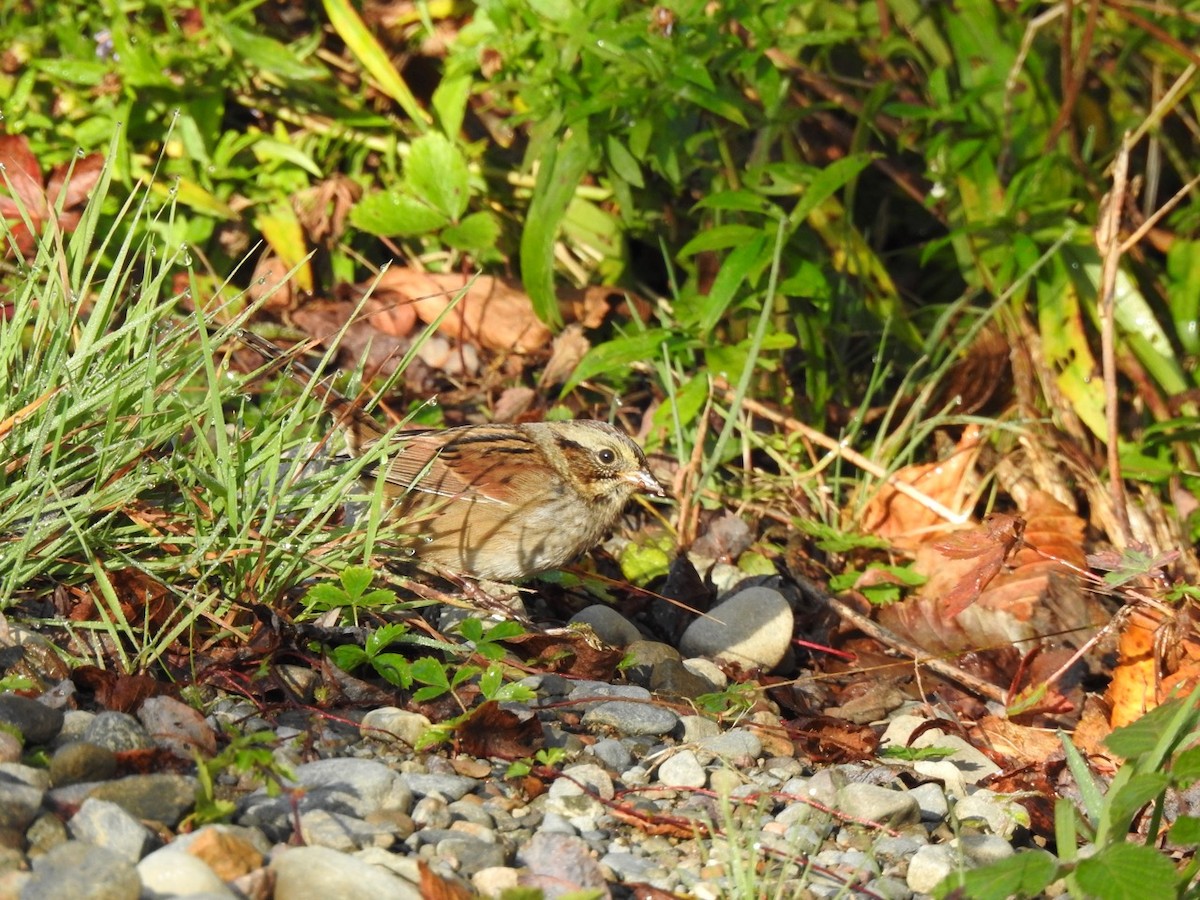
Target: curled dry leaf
x=1037, y=592
x=491, y=313
x=495, y=733
x=905, y=521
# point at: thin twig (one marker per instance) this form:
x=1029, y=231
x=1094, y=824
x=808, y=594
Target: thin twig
x=1108, y=240
x=850, y=455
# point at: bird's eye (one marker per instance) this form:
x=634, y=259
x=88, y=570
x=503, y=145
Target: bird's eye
x=606, y=456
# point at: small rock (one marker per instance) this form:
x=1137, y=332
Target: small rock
x=694, y=728
x=732, y=744
x=631, y=718
x=599, y=691
x=82, y=872
x=118, y=732
x=878, y=804
x=157, y=798
x=467, y=856
x=682, y=769
x=169, y=873
x=302, y=873
x=105, y=824
x=986, y=809
x=389, y=723
x=932, y=800
x=177, y=727
x=589, y=776
x=610, y=626
x=36, y=722
x=642, y=658
x=671, y=678
x=753, y=628
x=452, y=787
x=559, y=864
x=613, y=753
x=321, y=828
x=431, y=811
x=10, y=747
x=495, y=881
x=46, y=833
x=709, y=671
x=20, y=800
x=80, y=761
x=229, y=850
x=982, y=849
x=929, y=866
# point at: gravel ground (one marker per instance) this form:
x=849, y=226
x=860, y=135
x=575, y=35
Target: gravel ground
x=647, y=794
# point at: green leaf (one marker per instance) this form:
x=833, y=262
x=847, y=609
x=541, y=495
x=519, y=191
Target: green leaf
x=1185, y=830
x=623, y=162
x=396, y=214
x=617, y=354
x=1186, y=767
x=436, y=172
x=738, y=266
x=450, y=102
x=348, y=657
x=720, y=238
x=1122, y=804
x=1127, y=872
x=269, y=54
x=826, y=183
x=1024, y=874
x=558, y=177
x=268, y=149
x=356, y=579
x=476, y=234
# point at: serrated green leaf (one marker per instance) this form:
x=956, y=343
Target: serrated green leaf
x=1185, y=830
x=436, y=172
x=356, y=579
x=475, y=234
x=450, y=102
x=396, y=214
x=1127, y=872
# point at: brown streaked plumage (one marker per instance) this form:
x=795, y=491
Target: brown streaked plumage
x=501, y=502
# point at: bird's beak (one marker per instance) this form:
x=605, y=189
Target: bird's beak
x=645, y=483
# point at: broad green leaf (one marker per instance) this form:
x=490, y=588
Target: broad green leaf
x=372, y=57
x=618, y=355
x=1185, y=830
x=1127, y=872
x=395, y=214
x=450, y=102
x=1024, y=874
x=269, y=54
x=826, y=183
x=1123, y=803
x=622, y=162
x=720, y=237
x=742, y=201
x=475, y=234
x=558, y=177
x=269, y=149
x=744, y=261
x=436, y=172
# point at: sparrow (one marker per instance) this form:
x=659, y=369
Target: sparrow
x=500, y=502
